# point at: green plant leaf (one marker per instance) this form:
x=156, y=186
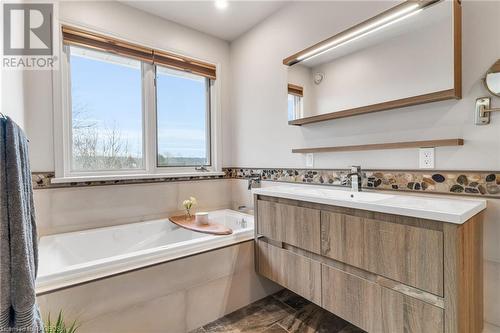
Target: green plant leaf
x=60, y=326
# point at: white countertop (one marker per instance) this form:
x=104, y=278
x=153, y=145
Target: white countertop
x=455, y=211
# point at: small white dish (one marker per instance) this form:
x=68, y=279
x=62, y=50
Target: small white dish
x=201, y=218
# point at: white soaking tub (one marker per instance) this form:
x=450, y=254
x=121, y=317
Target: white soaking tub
x=76, y=257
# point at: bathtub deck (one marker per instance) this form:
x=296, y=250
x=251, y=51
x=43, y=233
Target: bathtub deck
x=283, y=312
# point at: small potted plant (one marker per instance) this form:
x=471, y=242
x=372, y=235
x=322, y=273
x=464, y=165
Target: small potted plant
x=59, y=326
x=188, y=205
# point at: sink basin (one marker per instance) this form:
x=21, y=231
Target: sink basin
x=333, y=193
x=434, y=208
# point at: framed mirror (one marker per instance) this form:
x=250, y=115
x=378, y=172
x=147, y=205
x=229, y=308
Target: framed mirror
x=407, y=55
x=492, y=79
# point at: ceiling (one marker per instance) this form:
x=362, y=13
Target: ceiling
x=227, y=24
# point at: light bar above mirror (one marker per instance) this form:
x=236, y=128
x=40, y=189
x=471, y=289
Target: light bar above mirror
x=376, y=23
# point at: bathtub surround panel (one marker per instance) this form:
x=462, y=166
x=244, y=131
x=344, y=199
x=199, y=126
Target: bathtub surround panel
x=73, y=209
x=202, y=287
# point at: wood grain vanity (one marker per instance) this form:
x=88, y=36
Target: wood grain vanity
x=383, y=272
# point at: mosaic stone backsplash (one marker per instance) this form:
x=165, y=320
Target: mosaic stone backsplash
x=43, y=180
x=444, y=182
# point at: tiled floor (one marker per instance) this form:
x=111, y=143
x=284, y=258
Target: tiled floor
x=283, y=312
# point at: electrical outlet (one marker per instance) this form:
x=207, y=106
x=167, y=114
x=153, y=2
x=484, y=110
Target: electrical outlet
x=309, y=160
x=426, y=158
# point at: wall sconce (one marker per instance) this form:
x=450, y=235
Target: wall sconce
x=483, y=110
x=483, y=104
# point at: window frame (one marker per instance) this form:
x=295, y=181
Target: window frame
x=61, y=82
x=208, y=125
x=298, y=106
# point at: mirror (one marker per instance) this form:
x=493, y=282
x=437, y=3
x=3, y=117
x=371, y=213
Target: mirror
x=397, y=58
x=492, y=79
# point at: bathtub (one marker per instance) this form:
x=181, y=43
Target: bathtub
x=76, y=257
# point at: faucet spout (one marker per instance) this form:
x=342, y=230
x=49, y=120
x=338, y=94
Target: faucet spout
x=253, y=181
x=356, y=178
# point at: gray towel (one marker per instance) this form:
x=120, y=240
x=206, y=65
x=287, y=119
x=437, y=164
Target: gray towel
x=18, y=239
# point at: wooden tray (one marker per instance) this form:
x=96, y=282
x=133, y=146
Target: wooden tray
x=210, y=228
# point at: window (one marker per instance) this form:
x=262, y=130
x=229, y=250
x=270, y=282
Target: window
x=129, y=110
x=183, y=118
x=294, y=107
x=295, y=101
x=106, y=111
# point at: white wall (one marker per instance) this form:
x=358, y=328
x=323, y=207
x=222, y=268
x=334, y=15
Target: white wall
x=12, y=92
x=262, y=138
x=129, y=23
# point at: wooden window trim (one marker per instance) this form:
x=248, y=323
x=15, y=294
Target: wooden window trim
x=184, y=63
x=295, y=90
x=78, y=37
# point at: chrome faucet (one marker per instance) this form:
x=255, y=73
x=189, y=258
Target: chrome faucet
x=253, y=181
x=356, y=178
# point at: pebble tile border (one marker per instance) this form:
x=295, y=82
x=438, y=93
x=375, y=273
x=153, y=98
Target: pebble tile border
x=41, y=180
x=444, y=182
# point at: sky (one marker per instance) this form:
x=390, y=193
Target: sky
x=110, y=94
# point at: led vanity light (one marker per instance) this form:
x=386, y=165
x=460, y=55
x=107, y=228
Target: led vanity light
x=384, y=20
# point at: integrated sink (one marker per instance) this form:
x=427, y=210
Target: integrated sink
x=331, y=193
x=435, y=208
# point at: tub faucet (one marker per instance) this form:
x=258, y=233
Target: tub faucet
x=253, y=181
x=356, y=178
x=245, y=210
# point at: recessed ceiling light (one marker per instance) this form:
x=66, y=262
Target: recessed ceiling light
x=221, y=4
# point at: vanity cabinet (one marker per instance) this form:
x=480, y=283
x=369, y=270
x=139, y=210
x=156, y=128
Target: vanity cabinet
x=295, y=272
x=352, y=297
x=381, y=272
x=294, y=225
x=409, y=254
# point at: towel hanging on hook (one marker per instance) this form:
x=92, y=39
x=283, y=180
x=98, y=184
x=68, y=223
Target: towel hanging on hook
x=4, y=117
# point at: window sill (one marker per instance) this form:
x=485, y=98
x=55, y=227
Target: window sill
x=78, y=179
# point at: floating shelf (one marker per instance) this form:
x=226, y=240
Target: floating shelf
x=404, y=102
x=381, y=146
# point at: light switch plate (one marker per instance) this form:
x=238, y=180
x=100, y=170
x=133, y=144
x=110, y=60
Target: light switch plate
x=309, y=160
x=426, y=158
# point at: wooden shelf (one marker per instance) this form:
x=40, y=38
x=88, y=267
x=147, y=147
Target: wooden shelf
x=399, y=103
x=381, y=146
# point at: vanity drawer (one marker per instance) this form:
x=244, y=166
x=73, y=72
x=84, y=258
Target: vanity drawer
x=352, y=298
x=401, y=313
x=408, y=254
x=294, y=225
x=375, y=308
x=297, y=273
